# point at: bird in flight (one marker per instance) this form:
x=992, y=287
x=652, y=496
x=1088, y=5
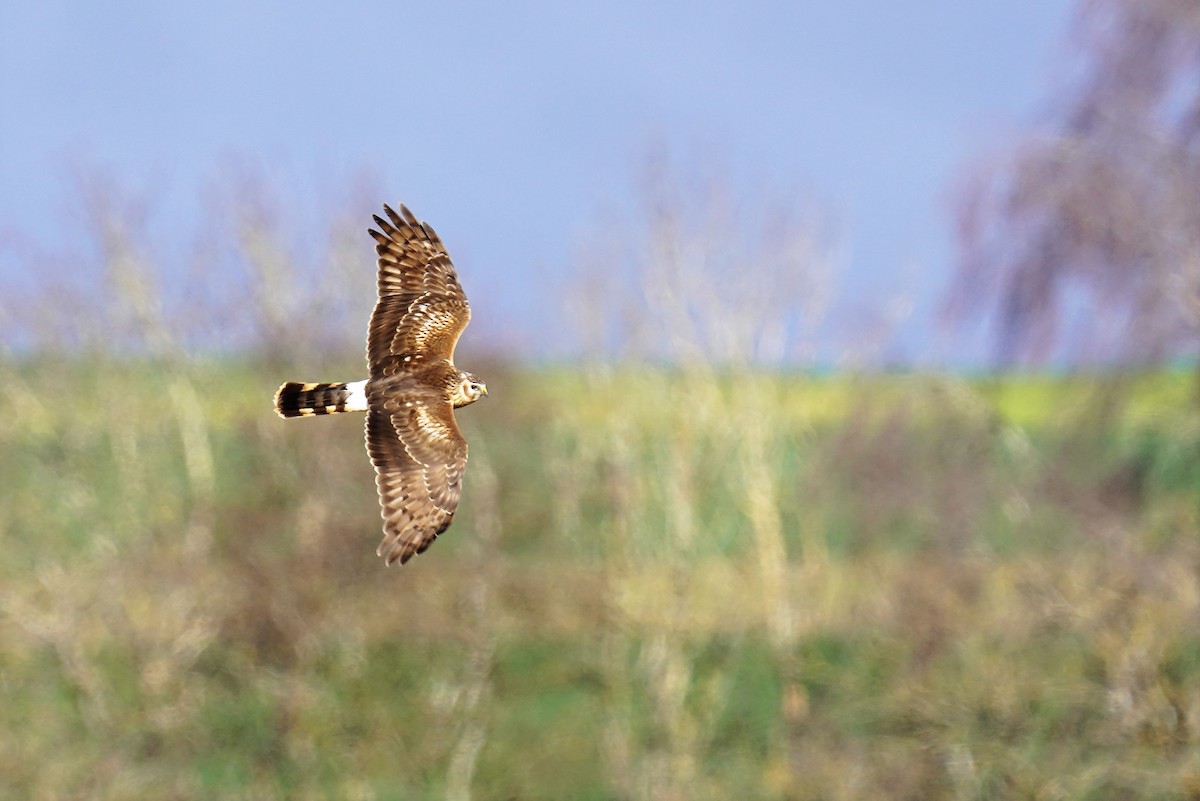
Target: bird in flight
x=413, y=386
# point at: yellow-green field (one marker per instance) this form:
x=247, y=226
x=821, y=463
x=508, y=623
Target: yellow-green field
x=663, y=584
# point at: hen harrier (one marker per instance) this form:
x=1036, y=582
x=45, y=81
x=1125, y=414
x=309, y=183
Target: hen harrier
x=414, y=387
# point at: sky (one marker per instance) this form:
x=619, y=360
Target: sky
x=510, y=126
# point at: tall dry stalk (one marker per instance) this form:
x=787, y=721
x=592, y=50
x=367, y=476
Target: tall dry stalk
x=726, y=292
x=474, y=689
x=137, y=308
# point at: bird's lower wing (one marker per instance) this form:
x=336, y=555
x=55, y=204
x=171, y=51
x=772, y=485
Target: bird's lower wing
x=419, y=457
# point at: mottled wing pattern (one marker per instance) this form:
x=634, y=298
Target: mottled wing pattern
x=421, y=310
x=419, y=457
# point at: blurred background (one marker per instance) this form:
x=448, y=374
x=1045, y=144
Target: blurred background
x=844, y=430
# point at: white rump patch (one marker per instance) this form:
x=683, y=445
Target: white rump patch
x=356, y=401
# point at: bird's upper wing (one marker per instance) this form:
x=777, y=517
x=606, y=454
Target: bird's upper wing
x=419, y=457
x=421, y=311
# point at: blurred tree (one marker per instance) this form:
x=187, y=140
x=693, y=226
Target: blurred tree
x=1084, y=242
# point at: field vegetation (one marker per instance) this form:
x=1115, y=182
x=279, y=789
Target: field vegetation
x=877, y=586
x=683, y=569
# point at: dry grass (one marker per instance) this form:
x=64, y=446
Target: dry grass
x=708, y=581
x=624, y=642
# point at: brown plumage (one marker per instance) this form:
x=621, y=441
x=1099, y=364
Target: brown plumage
x=414, y=443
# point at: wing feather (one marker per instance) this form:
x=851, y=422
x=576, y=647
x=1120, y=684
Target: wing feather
x=421, y=310
x=419, y=457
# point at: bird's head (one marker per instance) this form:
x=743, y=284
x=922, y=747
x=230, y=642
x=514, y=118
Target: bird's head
x=468, y=390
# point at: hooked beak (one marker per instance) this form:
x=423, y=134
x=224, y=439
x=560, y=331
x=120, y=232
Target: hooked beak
x=483, y=389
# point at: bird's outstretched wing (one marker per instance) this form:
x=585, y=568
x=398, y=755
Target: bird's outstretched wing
x=419, y=457
x=421, y=311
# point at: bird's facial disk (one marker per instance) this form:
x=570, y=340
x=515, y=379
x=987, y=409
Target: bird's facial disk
x=469, y=390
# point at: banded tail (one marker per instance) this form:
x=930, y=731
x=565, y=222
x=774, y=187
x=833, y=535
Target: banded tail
x=295, y=399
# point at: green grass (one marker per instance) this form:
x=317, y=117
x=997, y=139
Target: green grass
x=661, y=584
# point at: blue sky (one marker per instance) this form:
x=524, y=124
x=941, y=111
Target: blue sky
x=510, y=125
